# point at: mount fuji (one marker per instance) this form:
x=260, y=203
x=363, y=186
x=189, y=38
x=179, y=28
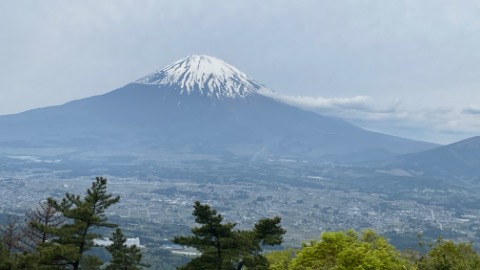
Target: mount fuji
x=196, y=106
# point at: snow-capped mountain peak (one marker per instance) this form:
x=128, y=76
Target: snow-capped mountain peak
x=206, y=75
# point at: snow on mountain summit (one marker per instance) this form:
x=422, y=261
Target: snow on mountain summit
x=207, y=75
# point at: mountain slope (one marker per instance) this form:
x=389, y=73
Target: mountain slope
x=198, y=105
x=457, y=159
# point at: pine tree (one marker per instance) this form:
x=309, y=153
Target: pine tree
x=222, y=247
x=5, y=261
x=123, y=257
x=83, y=217
x=39, y=224
x=10, y=234
x=267, y=231
x=213, y=239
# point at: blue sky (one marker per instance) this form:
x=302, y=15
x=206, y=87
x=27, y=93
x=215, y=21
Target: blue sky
x=401, y=67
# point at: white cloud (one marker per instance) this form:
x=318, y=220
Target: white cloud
x=354, y=107
x=440, y=124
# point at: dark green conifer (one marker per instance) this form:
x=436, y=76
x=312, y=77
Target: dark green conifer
x=83, y=216
x=123, y=257
x=224, y=248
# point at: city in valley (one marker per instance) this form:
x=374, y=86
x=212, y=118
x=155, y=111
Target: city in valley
x=310, y=197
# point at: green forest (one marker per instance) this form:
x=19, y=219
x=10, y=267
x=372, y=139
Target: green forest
x=60, y=233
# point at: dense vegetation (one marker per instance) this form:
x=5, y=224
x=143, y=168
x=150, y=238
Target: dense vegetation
x=349, y=250
x=60, y=234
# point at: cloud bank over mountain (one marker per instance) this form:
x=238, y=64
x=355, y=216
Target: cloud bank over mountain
x=394, y=117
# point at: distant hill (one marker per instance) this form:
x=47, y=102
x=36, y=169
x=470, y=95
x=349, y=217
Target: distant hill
x=196, y=106
x=460, y=159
